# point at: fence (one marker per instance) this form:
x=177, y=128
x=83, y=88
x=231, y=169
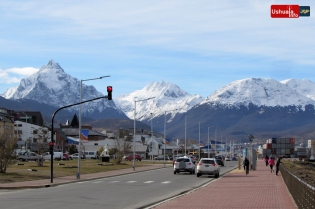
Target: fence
x=302, y=193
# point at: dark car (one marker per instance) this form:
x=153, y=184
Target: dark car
x=161, y=157
x=219, y=159
x=130, y=157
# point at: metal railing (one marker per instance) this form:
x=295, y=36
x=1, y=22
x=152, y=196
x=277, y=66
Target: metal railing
x=302, y=193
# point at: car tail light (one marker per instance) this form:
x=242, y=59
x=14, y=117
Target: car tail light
x=176, y=163
x=199, y=163
x=189, y=163
x=214, y=164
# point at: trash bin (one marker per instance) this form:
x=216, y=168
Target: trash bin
x=105, y=158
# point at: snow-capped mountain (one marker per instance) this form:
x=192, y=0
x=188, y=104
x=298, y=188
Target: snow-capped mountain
x=302, y=86
x=262, y=92
x=51, y=85
x=168, y=98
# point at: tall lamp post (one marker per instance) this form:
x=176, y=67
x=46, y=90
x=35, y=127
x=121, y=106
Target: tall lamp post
x=185, y=129
x=199, y=136
x=251, y=138
x=80, y=110
x=165, y=132
x=151, y=136
x=134, y=133
x=209, y=141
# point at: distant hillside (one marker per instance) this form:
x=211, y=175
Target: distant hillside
x=116, y=124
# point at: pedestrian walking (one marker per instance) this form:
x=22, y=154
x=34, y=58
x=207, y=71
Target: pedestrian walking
x=271, y=163
x=266, y=160
x=278, y=165
x=246, y=165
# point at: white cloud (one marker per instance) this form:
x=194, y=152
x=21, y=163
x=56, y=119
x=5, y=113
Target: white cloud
x=14, y=75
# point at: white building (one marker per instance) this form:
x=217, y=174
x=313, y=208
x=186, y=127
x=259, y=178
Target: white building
x=28, y=134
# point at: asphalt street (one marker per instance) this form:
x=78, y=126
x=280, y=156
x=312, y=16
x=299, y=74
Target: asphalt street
x=135, y=190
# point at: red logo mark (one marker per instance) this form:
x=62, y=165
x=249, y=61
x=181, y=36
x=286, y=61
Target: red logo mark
x=285, y=11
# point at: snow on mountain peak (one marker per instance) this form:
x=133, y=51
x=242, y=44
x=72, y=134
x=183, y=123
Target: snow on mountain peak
x=168, y=98
x=302, y=86
x=258, y=91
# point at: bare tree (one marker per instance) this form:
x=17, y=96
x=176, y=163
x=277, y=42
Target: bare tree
x=41, y=137
x=122, y=147
x=7, y=146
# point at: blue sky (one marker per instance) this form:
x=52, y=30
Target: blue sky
x=199, y=45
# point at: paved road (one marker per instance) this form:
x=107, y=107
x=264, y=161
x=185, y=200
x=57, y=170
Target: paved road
x=134, y=190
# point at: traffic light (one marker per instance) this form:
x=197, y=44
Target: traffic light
x=51, y=148
x=109, y=92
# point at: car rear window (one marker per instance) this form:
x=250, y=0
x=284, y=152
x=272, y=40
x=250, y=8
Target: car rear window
x=182, y=160
x=207, y=161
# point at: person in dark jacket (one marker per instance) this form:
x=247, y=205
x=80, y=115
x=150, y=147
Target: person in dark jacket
x=246, y=165
x=266, y=160
x=278, y=165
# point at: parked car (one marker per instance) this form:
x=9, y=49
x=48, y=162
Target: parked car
x=234, y=159
x=66, y=156
x=219, y=159
x=184, y=164
x=161, y=157
x=26, y=156
x=208, y=166
x=91, y=155
x=227, y=158
x=56, y=156
x=130, y=157
x=76, y=156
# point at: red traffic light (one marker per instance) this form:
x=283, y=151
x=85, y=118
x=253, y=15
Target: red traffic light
x=109, y=88
x=51, y=144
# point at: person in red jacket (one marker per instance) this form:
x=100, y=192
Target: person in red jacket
x=271, y=162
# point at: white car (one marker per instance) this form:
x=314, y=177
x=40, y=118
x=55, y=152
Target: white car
x=76, y=156
x=184, y=164
x=208, y=166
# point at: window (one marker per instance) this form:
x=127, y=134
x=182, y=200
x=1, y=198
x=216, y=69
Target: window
x=19, y=125
x=35, y=132
x=207, y=161
x=34, y=140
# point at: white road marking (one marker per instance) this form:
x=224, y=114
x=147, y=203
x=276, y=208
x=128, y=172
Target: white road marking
x=148, y=182
x=113, y=182
x=96, y=182
x=165, y=182
x=130, y=182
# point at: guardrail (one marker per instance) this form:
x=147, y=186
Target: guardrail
x=302, y=193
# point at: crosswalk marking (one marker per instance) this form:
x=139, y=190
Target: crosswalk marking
x=165, y=182
x=113, y=182
x=148, y=182
x=130, y=182
x=96, y=182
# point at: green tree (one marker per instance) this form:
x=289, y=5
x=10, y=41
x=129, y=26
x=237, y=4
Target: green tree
x=7, y=146
x=72, y=149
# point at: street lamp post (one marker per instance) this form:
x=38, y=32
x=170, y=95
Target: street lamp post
x=134, y=133
x=251, y=137
x=80, y=110
x=151, y=137
x=165, y=132
x=199, y=136
x=185, y=129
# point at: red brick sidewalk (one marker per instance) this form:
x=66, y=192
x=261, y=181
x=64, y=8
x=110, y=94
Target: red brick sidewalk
x=260, y=189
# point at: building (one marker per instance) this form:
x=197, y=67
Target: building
x=29, y=135
x=6, y=123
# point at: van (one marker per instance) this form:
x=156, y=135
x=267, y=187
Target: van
x=57, y=156
x=90, y=154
